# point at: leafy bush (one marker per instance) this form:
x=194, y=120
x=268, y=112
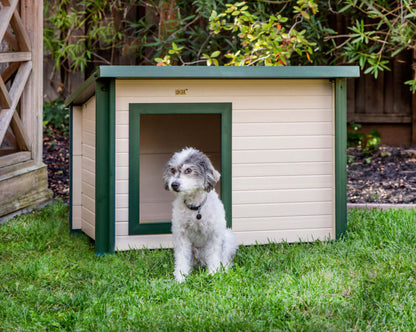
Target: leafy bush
x=80, y=34
x=367, y=142
x=56, y=115
x=274, y=40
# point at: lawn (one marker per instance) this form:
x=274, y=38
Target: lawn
x=52, y=280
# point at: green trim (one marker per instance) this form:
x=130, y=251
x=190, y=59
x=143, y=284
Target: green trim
x=84, y=92
x=226, y=162
x=71, y=165
x=105, y=167
x=135, y=111
x=340, y=157
x=228, y=72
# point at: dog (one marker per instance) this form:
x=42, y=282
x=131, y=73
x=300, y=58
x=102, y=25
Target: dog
x=198, y=217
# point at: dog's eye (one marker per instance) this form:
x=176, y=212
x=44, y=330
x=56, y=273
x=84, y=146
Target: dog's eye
x=188, y=171
x=173, y=171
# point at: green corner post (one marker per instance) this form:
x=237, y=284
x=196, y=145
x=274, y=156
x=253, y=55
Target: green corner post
x=105, y=167
x=340, y=156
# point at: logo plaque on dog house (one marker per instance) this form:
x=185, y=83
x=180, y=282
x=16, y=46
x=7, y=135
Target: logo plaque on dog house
x=276, y=134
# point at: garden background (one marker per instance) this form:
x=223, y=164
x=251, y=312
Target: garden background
x=377, y=35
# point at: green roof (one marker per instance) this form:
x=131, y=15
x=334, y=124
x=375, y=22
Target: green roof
x=87, y=89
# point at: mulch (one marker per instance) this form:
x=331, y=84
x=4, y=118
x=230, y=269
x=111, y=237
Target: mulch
x=386, y=176
x=56, y=157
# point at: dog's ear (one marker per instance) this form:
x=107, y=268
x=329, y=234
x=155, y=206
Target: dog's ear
x=166, y=175
x=211, y=175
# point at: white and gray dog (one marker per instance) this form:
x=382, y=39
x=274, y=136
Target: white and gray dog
x=198, y=217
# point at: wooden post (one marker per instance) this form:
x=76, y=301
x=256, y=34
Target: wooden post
x=23, y=176
x=414, y=100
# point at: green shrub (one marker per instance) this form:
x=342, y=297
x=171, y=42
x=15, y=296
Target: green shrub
x=56, y=115
x=367, y=142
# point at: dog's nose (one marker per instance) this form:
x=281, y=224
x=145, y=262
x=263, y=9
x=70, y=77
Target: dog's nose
x=175, y=186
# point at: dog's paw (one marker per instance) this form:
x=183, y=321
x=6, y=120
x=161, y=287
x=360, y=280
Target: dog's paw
x=180, y=277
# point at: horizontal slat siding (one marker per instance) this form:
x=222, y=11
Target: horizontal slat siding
x=143, y=241
x=282, y=169
x=88, y=189
x=282, y=142
x=241, y=102
x=245, y=238
x=281, y=182
x=267, y=224
x=76, y=189
x=283, y=158
x=76, y=217
x=122, y=187
x=281, y=209
x=282, y=196
x=209, y=88
x=88, y=229
x=122, y=214
x=88, y=178
x=88, y=168
x=289, y=236
x=88, y=138
x=88, y=202
x=300, y=129
x=283, y=116
x=282, y=223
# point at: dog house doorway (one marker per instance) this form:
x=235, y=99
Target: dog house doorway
x=156, y=131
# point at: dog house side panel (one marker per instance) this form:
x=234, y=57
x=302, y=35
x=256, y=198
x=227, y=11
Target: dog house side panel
x=88, y=168
x=283, y=178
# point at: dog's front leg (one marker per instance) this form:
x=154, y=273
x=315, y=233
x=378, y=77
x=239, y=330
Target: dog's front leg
x=213, y=258
x=183, y=260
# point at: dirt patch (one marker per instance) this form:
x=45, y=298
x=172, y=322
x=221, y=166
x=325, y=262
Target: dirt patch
x=387, y=176
x=56, y=157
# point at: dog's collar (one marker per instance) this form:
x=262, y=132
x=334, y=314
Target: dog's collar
x=196, y=207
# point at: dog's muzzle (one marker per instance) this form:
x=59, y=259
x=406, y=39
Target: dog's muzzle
x=175, y=186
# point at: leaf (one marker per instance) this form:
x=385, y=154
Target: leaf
x=215, y=54
x=305, y=14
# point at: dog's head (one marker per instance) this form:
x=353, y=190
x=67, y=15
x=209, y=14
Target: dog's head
x=188, y=171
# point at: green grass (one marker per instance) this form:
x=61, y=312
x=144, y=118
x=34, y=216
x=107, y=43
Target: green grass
x=51, y=280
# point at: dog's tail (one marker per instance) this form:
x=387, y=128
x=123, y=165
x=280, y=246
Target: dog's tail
x=229, y=249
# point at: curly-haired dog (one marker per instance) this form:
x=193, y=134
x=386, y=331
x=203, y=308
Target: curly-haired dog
x=198, y=217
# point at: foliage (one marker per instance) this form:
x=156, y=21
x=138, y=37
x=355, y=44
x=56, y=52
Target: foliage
x=55, y=114
x=303, y=34
x=275, y=41
x=381, y=30
x=367, y=142
x=79, y=35
x=264, y=43
x=65, y=38
x=51, y=280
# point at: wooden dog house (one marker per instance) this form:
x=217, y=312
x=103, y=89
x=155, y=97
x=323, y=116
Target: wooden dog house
x=276, y=134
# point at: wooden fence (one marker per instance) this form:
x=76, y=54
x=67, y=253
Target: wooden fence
x=385, y=103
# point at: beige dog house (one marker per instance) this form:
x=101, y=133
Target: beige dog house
x=276, y=134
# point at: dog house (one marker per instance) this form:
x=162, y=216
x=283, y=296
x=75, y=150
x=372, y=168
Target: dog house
x=276, y=134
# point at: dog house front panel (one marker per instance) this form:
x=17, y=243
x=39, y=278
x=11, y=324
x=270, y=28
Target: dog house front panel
x=283, y=174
